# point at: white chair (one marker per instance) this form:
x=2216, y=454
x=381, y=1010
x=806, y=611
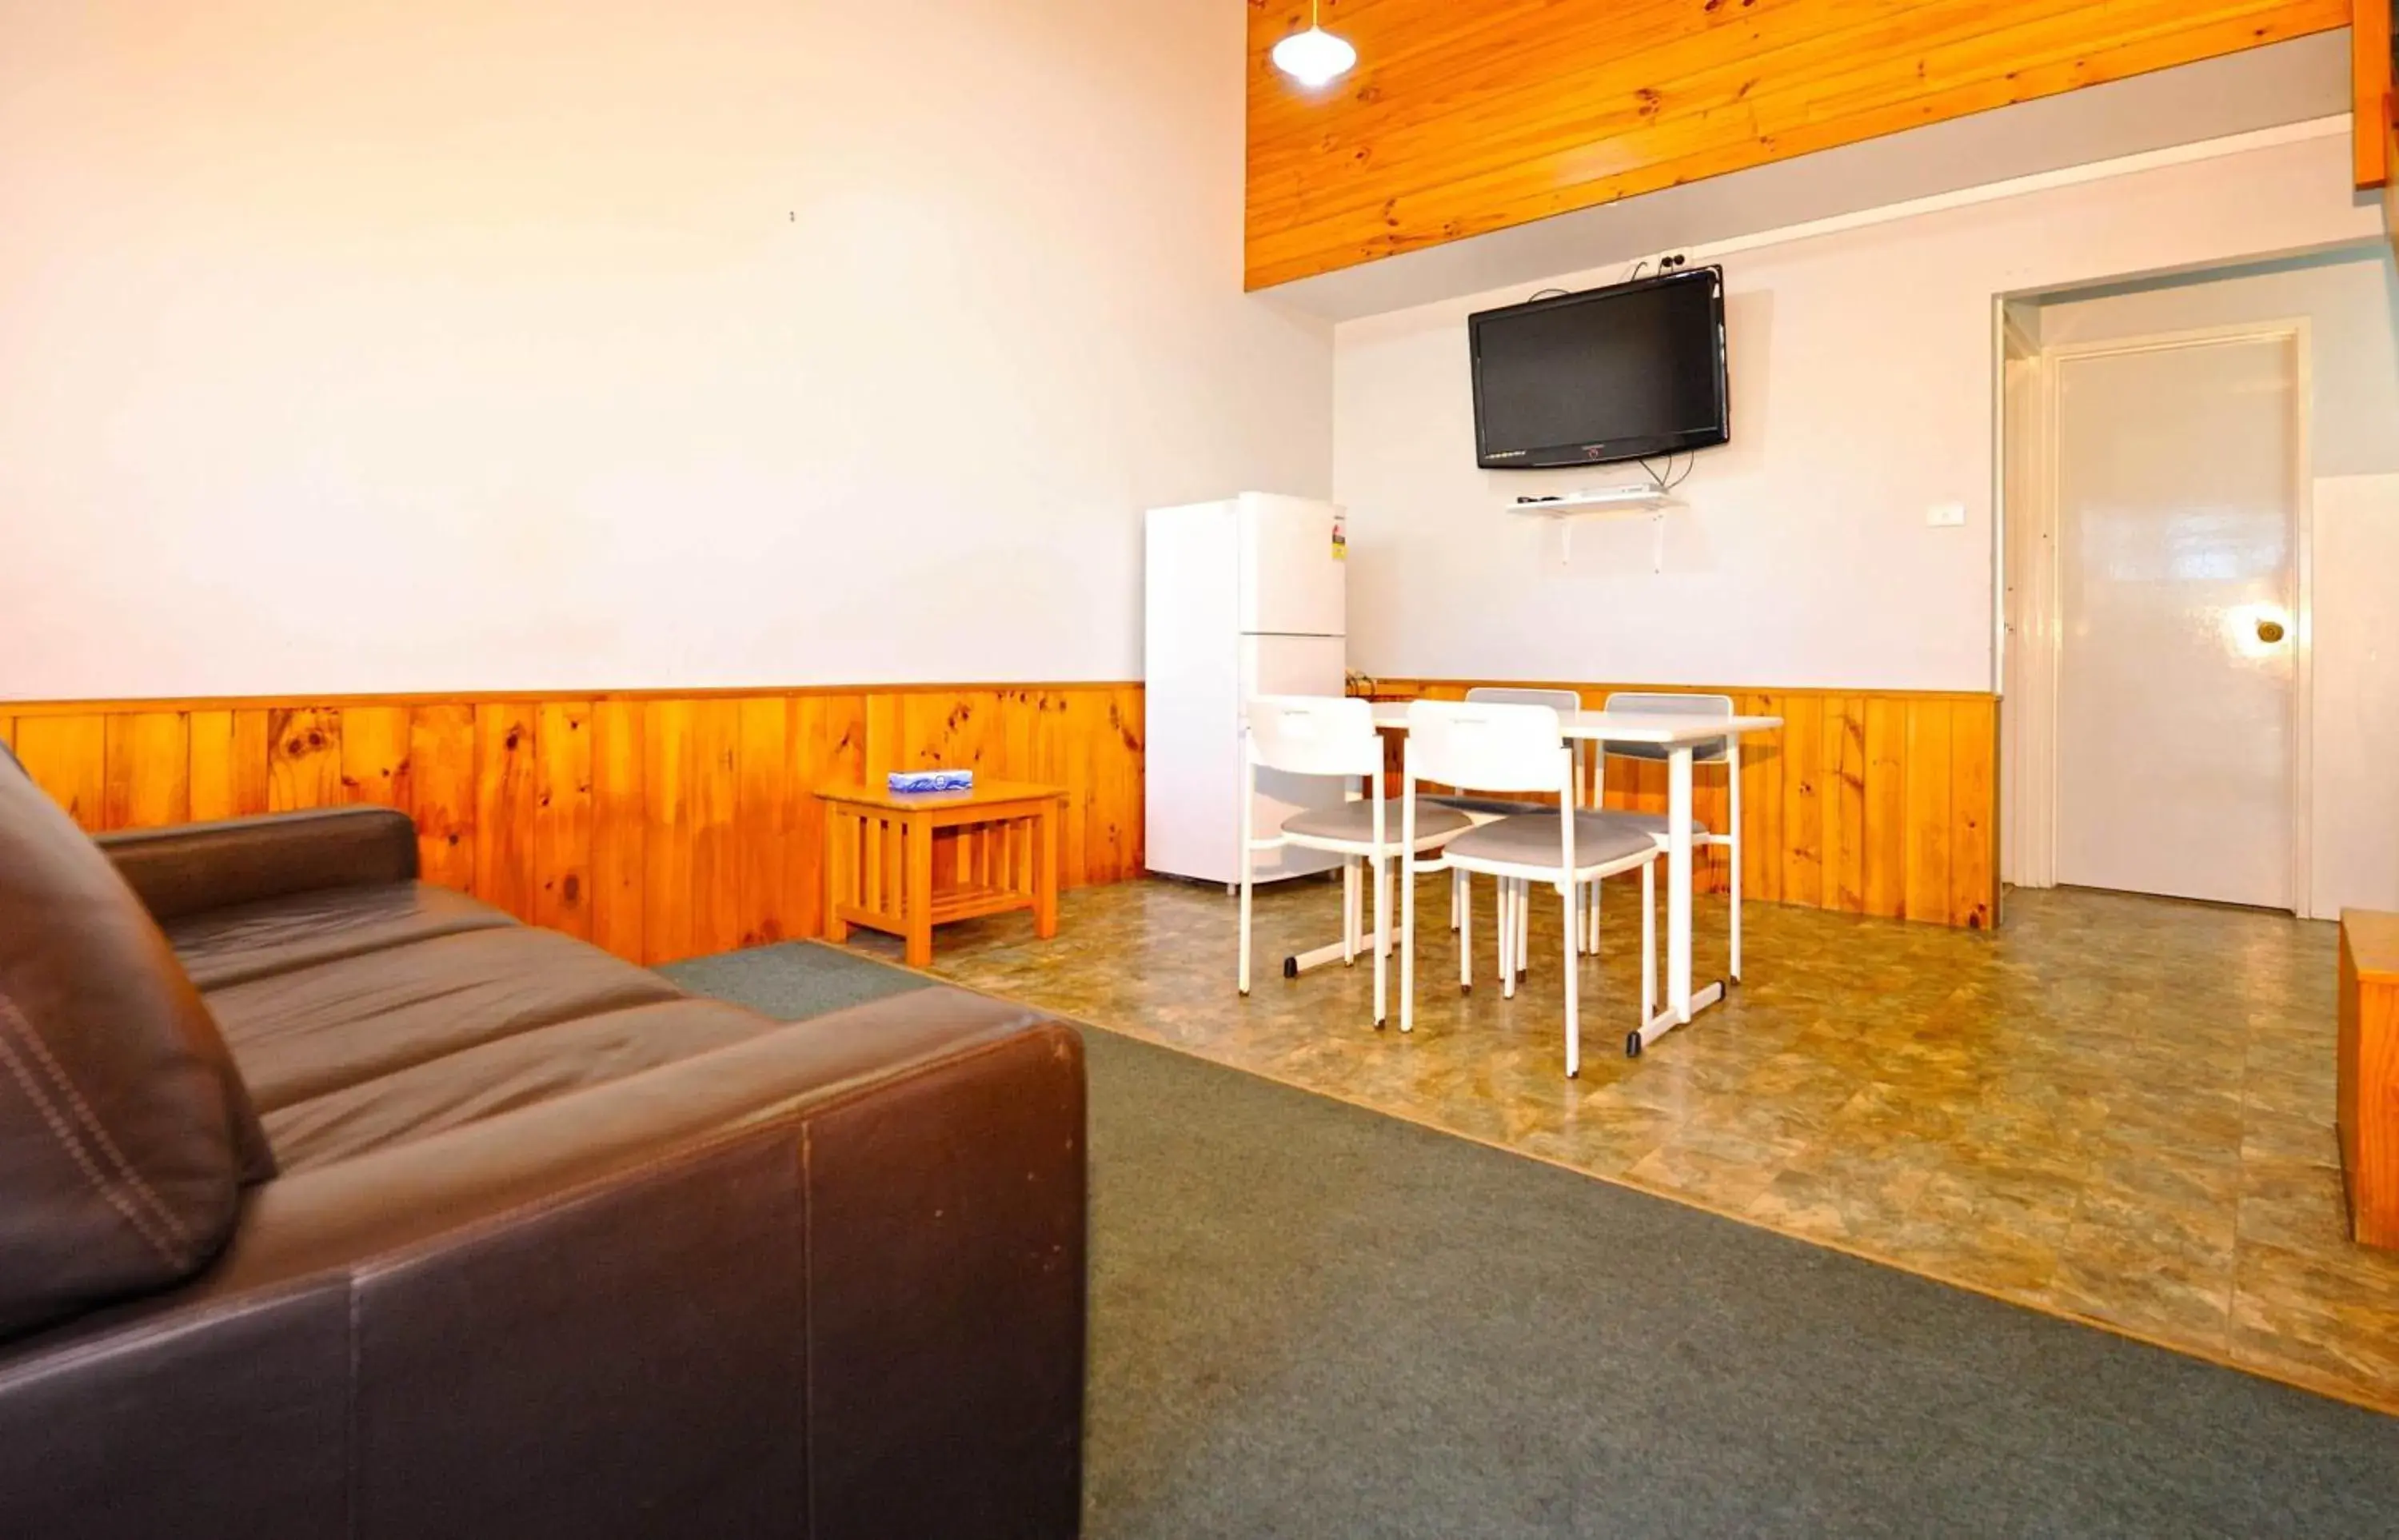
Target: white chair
x=1722, y=751
x=1519, y=749
x=1513, y=897
x=1329, y=735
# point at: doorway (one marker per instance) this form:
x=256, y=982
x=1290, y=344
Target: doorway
x=2159, y=616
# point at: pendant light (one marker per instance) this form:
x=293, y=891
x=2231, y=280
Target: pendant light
x=1315, y=57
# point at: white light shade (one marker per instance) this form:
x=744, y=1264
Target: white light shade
x=1314, y=56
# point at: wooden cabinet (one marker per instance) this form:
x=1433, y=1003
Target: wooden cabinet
x=2369, y=1074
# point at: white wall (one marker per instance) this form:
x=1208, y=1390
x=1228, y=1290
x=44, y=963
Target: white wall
x=494, y=344
x=2346, y=299
x=1863, y=377
x=2354, y=815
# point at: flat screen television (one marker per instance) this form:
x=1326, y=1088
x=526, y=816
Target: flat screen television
x=1624, y=373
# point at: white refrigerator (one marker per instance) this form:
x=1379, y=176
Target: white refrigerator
x=1246, y=598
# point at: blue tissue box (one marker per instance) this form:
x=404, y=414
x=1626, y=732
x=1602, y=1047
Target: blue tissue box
x=903, y=782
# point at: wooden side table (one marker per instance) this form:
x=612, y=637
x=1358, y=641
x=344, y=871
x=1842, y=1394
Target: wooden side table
x=2369, y=1074
x=902, y=864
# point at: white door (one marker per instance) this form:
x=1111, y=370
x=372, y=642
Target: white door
x=2177, y=511
x=1294, y=566
x=1292, y=665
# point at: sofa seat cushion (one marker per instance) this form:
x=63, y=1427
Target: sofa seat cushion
x=230, y=946
x=503, y=1075
x=308, y=1031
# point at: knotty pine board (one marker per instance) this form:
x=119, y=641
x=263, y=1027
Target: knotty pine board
x=1466, y=118
x=1864, y=803
x=658, y=826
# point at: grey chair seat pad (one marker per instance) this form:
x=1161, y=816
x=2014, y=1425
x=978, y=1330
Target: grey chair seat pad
x=1531, y=839
x=1355, y=821
x=1488, y=807
x=1654, y=824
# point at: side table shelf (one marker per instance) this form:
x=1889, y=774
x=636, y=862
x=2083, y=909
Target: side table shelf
x=902, y=864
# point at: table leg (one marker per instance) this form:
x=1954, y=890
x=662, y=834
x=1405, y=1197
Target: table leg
x=1045, y=874
x=1678, y=881
x=1733, y=852
x=916, y=890
x=1682, y=1001
x=841, y=844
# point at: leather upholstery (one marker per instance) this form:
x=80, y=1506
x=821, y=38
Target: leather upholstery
x=252, y=941
x=497, y=1077
x=559, y=1252
x=312, y=1030
x=123, y=1126
x=194, y=867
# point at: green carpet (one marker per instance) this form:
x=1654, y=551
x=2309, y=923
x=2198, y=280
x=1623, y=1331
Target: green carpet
x=794, y=980
x=1310, y=1320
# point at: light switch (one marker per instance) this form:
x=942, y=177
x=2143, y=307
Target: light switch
x=1945, y=515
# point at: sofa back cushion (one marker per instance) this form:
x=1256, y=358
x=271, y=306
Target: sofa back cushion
x=125, y=1133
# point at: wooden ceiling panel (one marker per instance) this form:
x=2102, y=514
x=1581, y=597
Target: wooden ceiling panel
x=1469, y=115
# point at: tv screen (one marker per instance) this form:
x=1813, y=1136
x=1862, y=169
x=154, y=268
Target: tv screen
x=1617, y=373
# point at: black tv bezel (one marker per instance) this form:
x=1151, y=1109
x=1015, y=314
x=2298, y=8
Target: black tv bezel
x=1609, y=450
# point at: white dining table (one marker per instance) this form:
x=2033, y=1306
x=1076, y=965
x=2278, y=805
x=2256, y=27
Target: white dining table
x=1678, y=734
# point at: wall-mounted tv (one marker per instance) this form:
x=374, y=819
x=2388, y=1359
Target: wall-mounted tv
x=1623, y=372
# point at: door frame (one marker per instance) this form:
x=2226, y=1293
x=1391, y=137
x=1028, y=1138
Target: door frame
x=2033, y=586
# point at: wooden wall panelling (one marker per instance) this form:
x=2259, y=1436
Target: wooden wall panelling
x=661, y=827
x=712, y=801
x=1886, y=807
x=304, y=766
x=1880, y=803
x=67, y=756
x=375, y=756
x=1113, y=748
x=762, y=812
x=1973, y=813
x=148, y=773
x=505, y=800
x=1929, y=833
x=826, y=743
x=1843, y=767
x=1762, y=805
x=562, y=817
x=1462, y=119
x=441, y=786
x=619, y=824
x=666, y=851
x=1801, y=744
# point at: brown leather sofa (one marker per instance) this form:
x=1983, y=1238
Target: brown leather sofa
x=335, y=1204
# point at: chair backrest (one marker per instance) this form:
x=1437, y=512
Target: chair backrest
x=1560, y=701
x=1479, y=746
x=1664, y=704
x=1315, y=736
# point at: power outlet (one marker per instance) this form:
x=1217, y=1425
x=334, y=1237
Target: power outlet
x=1945, y=516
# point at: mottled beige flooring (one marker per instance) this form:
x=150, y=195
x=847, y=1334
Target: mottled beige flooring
x=2116, y=1108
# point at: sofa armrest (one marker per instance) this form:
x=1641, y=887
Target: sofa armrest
x=193, y=867
x=828, y=1281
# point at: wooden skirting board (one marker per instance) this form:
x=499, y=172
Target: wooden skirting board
x=1865, y=801
x=657, y=825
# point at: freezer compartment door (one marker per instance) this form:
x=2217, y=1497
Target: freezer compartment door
x=1294, y=563
x=1291, y=665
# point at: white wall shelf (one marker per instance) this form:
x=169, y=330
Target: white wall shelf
x=1606, y=503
